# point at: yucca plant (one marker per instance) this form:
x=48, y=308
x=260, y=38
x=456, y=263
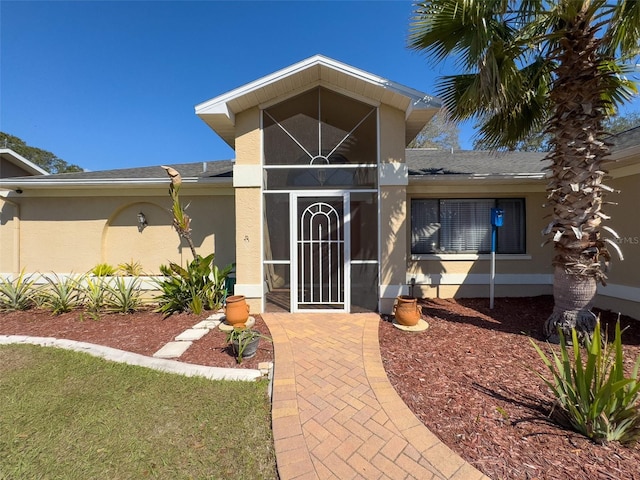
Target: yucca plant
x=62, y=294
x=94, y=293
x=130, y=269
x=122, y=296
x=19, y=293
x=594, y=395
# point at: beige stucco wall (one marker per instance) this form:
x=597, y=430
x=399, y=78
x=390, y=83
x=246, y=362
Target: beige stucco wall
x=9, y=237
x=75, y=233
x=393, y=210
x=622, y=294
x=248, y=201
x=449, y=276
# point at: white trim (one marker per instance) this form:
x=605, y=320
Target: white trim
x=330, y=166
x=39, y=183
x=146, y=282
x=214, y=105
x=394, y=173
x=379, y=208
x=623, y=292
x=249, y=290
x=466, y=256
x=480, y=278
x=247, y=176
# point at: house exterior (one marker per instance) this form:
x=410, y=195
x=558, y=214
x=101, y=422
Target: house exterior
x=323, y=207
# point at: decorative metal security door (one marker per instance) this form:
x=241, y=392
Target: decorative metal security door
x=320, y=255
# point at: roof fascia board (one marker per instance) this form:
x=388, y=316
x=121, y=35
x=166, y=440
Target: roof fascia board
x=472, y=178
x=109, y=182
x=212, y=105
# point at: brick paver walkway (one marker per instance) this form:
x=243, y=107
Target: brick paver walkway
x=335, y=414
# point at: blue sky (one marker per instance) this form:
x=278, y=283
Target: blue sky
x=114, y=84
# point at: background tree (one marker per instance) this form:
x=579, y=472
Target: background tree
x=44, y=159
x=552, y=66
x=539, y=142
x=440, y=133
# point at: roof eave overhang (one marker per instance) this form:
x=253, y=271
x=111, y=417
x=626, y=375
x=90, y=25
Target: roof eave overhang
x=22, y=162
x=106, y=183
x=452, y=179
x=219, y=112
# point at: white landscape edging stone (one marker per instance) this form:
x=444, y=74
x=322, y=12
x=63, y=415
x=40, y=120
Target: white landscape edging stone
x=120, y=356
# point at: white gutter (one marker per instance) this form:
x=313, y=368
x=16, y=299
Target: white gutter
x=463, y=177
x=108, y=182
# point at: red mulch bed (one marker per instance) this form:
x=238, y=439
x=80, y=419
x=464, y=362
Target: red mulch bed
x=468, y=379
x=144, y=332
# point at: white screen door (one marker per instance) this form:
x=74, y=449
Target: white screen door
x=320, y=251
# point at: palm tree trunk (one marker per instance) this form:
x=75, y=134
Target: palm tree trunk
x=573, y=299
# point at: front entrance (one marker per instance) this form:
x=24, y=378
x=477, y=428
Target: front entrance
x=320, y=279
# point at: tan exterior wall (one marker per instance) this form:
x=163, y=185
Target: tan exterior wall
x=249, y=139
x=462, y=275
x=393, y=210
x=9, y=237
x=622, y=294
x=248, y=202
x=73, y=234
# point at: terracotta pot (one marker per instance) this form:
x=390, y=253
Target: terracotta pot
x=406, y=310
x=237, y=310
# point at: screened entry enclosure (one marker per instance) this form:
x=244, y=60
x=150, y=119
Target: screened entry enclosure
x=320, y=203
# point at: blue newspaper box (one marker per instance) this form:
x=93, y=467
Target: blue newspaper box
x=497, y=217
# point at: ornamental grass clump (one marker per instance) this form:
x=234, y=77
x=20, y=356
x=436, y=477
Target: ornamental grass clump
x=63, y=294
x=20, y=293
x=593, y=395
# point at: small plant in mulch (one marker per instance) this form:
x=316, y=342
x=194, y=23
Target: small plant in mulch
x=593, y=395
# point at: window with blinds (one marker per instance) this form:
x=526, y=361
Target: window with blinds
x=464, y=225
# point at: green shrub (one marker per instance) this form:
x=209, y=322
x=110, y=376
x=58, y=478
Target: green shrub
x=62, y=294
x=122, y=296
x=19, y=293
x=103, y=270
x=194, y=289
x=594, y=396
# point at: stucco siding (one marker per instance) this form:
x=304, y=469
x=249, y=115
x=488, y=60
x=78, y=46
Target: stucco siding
x=9, y=237
x=74, y=234
x=248, y=140
x=622, y=293
x=393, y=208
x=625, y=222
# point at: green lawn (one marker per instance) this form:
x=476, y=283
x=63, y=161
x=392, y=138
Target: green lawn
x=68, y=415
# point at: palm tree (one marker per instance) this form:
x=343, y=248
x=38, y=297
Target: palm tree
x=553, y=66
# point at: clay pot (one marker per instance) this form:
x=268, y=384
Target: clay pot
x=406, y=310
x=236, y=311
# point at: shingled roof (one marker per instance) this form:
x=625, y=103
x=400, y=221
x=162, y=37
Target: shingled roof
x=425, y=162
x=421, y=163
x=221, y=168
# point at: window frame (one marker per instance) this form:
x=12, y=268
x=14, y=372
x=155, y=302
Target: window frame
x=521, y=229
